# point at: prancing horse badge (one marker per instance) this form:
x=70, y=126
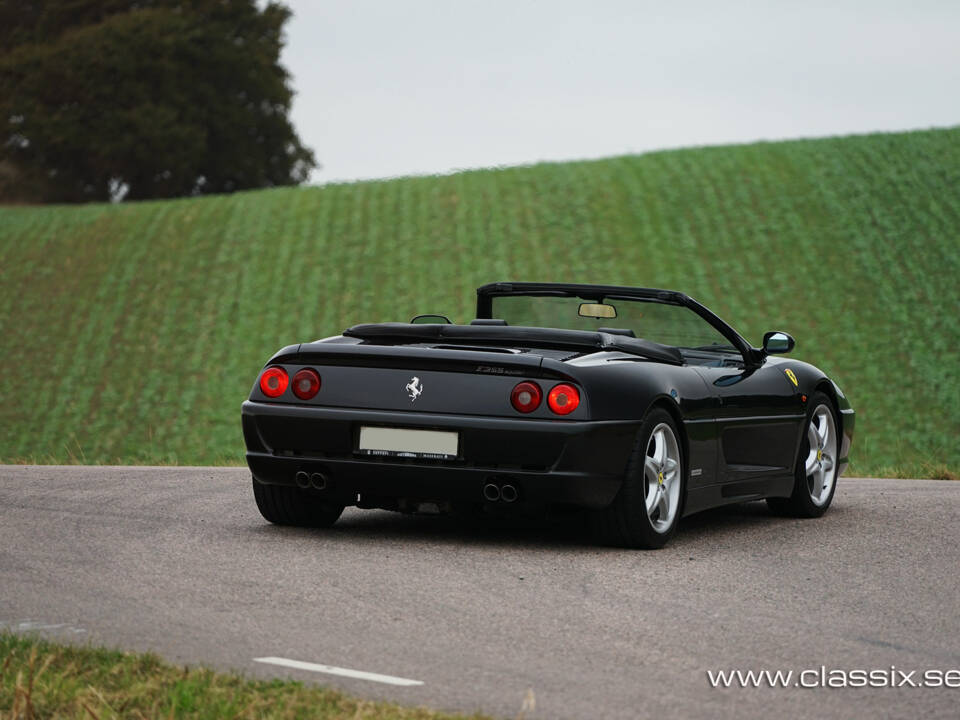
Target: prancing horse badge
x=414, y=388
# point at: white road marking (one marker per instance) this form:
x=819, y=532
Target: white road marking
x=40, y=626
x=31, y=626
x=342, y=672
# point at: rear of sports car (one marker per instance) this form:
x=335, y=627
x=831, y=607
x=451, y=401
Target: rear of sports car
x=404, y=426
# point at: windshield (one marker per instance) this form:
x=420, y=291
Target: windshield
x=659, y=322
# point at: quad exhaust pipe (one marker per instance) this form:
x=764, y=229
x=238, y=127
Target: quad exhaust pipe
x=507, y=493
x=304, y=480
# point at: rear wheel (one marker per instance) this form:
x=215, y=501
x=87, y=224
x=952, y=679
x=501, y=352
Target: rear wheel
x=816, y=470
x=288, y=505
x=646, y=510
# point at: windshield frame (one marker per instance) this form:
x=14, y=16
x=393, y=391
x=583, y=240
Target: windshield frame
x=597, y=293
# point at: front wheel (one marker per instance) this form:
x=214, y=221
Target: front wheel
x=817, y=464
x=288, y=505
x=645, y=512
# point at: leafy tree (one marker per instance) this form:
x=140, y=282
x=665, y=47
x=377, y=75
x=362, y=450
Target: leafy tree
x=157, y=98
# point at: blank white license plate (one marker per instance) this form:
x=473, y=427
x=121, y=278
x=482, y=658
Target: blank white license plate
x=404, y=442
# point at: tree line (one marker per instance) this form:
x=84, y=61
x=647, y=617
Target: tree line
x=103, y=99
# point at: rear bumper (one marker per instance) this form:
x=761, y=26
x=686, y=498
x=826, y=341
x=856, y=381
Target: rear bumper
x=567, y=462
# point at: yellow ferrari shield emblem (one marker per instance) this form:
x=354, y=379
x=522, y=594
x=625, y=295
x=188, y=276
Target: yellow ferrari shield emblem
x=660, y=478
x=819, y=455
x=793, y=378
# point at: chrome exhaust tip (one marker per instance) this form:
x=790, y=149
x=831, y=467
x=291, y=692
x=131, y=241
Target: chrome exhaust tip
x=302, y=480
x=509, y=494
x=318, y=481
x=491, y=492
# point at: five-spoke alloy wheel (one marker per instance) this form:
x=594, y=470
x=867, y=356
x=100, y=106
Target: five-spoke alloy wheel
x=661, y=471
x=820, y=464
x=817, y=464
x=645, y=512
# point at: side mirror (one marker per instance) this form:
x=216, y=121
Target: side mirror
x=777, y=343
x=431, y=320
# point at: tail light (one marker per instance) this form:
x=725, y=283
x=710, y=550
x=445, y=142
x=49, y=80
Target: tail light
x=306, y=383
x=563, y=399
x=526, y=397
x=274, y=381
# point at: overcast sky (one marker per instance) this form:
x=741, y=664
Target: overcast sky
x=395, y=88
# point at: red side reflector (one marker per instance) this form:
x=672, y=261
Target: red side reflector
x=563, y=399
x=274, y=381
x=526, y=397
x=306, y=383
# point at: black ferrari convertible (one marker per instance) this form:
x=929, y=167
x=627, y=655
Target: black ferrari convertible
x=640, y=406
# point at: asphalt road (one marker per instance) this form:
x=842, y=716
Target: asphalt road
x=178, y=561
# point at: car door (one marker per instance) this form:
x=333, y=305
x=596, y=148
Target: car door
x=759, y=415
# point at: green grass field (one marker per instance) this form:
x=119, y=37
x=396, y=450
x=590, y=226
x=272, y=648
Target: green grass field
x=132, y=333
x=40, y=679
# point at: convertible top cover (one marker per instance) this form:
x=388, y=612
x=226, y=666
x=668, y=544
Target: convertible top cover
x=396, y=333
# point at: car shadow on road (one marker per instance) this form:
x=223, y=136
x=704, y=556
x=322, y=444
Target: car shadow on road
x=569, y=530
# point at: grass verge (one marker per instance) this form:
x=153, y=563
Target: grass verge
x=41, y=679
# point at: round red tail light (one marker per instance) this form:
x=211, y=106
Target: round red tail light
x=274, y=381
x=526, y=397
x=306, y=383
x=563, y=399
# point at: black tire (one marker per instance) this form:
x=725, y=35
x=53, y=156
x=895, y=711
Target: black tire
x=288, y=505
x=800, y=504
x=625, y=522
